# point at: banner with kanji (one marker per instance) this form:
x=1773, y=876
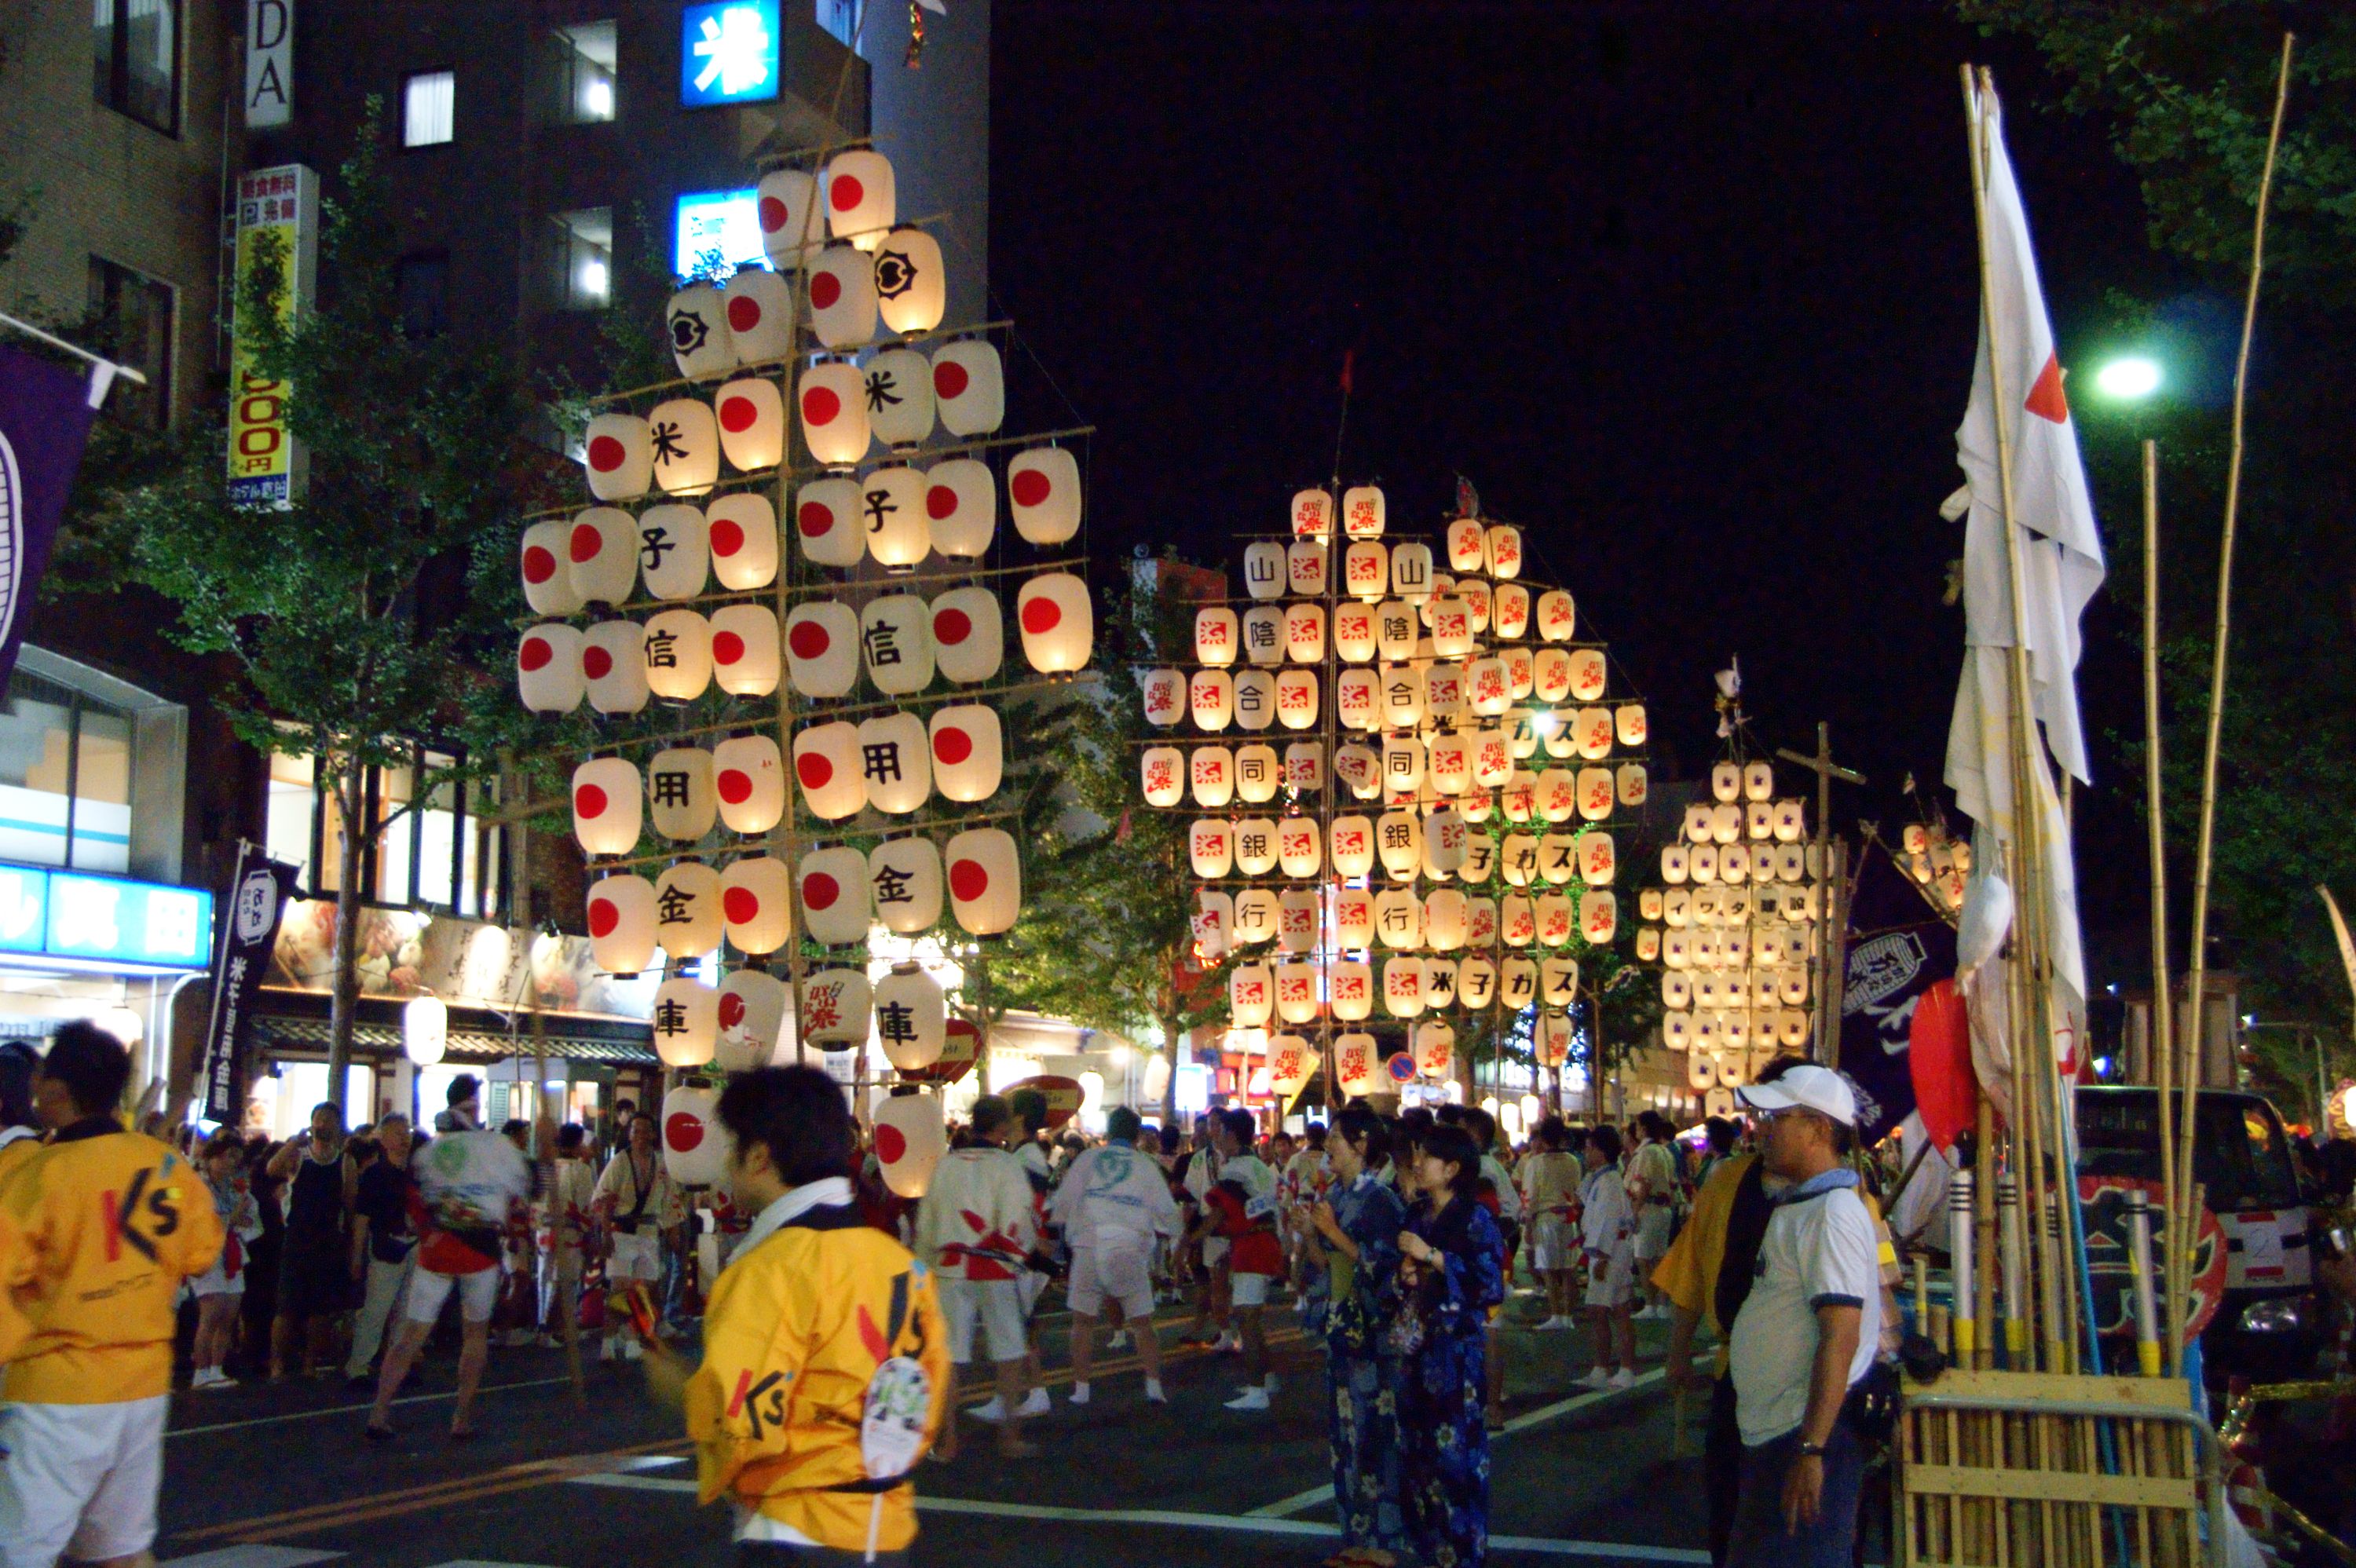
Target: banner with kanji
x=44, y=417
x=258, y=895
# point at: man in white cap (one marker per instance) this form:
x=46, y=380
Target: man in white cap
x=1807, y=1333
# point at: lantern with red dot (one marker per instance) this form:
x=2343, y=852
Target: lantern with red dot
x=746, y=661
x=697, y=1147
x=678, y=792
x=1296, y=698
x=969, y=751
x=1304, y=767
x=1509, y=611
x=1304, y=633
x=749, y=784
x=678, y=652
x=896, y=639
x=1163, y=771
x=686, y=1024
x=1163, y=694
x=751, y=1018
x=1305, y=569
x=1211, y=776
x=548, y=668
x=1354, y=631
x=751, y=417
x=904, y=877
x=900, y=398
x=961, y=505
x=1211, y=846
x=861, y=201
x=1587, y=674
x=614, y=666
x=700, y=339
x=911, y=1017
x=831, y=401
x=1043, y=491
x=911, y=281
x=1312, y=513
x=822, y=648
x=911, y=1136
x=788, y=208
x=827, y=517
x=754, y=903
x=1362, y=512
x=892, y=505
x=601, y=553
x=1217, y=636
x=1557, y=616
x=759, y=304
x=969, y=387
x=622, y=925
x=891, y=762
x=1504, y=551
x=1366, y=570
x=605, y=807
x=619, y=456
x=546, y=585
x=687, y=908
x=985, y=880
x=825, y=765
x=969, y=635
x=685, y=439
x=834, y=896
x=674, y=548
x=742, y=531
x=1058, y=621
x=841, y=293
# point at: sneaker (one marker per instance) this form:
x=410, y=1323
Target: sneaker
x=632, y=1351
x=1550, y=1326
x=1153, y=1394
x=1250, y=1399
x=1079, y=1394
x=607, y=1352
x=993, y=1411
x=1623, y=1379
x=1597, y=1377
x=1120, y=1340
x=222, y=1379
x=1228, y=1345
x=1038, y=1403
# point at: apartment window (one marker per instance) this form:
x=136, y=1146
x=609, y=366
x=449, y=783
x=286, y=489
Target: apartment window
x=69, y=760
x=132, y=315
x=840, y=17
x=421, y=294
x=429, y=107
x=581, y=258
x=135, y=59
x=583, y=77
x=430, y=852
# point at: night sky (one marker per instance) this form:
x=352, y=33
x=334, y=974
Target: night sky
x=1688, y=291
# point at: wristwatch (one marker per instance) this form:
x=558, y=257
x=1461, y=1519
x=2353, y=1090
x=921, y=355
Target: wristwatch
x=1812, y=1450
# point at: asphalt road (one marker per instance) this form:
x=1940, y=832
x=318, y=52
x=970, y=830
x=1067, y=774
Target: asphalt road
x=278, y=1477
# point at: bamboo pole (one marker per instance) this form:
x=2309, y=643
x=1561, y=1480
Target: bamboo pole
x=2163, y=1004
x=2204, y=842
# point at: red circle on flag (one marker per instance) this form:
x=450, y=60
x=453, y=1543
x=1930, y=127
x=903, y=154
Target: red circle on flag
x=1042, y=615
x=891, y=1143
x=952, y=745
x=683, y=1131
x=588, y=801
x=969, y=879
x=741, y=905
x=819, y=891
x=539, y=564
x=727, y=535
x=826, y=289
x=845, y=192
x=587, y=540
x=949, y=379
x=815, y=772
x=816, y=519
x=940, y=501
x=1029, y=488
x=820, y=405
x=596, y=663
x=734, y=784
x=809, y=640
x=773, y=215
x=737, y=414
x=743, y=312
x=605, y=453
x=603, y=917
x=732, y=1010
x=951, y=627
x=727, y=648
x=535, y=654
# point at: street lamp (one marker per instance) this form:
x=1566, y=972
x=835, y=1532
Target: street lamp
x=2128, y=380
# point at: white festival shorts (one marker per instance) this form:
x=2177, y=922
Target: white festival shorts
x=80, y=1481
x=478, y=1293
x=1121, y=1274
x=998, y=1303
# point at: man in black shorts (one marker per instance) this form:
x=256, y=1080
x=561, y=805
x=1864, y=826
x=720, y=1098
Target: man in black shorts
x=313, y=1258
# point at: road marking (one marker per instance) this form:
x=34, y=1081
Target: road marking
x=351, y=1409
x=1314, y=1496
x=252, y=1557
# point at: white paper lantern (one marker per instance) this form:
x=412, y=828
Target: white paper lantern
x=1264, y=570
x=985, y=878
x=677, y=649
x=1211, y=848
x=697, y=319
x=751, y=414
x=825, y=765
x=899, y=383
x=1354, y=631
x=1509, y=611
x=911, y=1017
x=742, y=530
x=831, y=402
x=1298, y=850
x=1305, y=569
x=1557, y=616
x=911, y=1137
x=829, y=522
x=1493, y=760
x=1251, y=995
x=1257, y=773
x=602, y=556
x=1211, y=698
x=1255, y=841
x=1366, y=570
x=607, y=807
x=904, y=878
x=1256, y=916
x=697, y=1149
x=749, y=783
x=1504, y=551
x=756, y=904
x=1058, y=621
x=1486, y=688
x=860, y=197
x=1435, y=1049
x=895, y=640
x=686, y=1022
x=833, y=883
x=617, y=454
x=1598, y=915
x=685, y=442
x=1296, y=921
x=1357, y=698
x=547, y=581
x=1213, y=923
x=1352, y=846
x=745, y=656
x=1254, y=698
x=1219, y=636
x=1304, y=633
x=1451, y=627
x=842, y=295
x=1403, y=697
x=1362, y=512
x=787, y=209
x=1403, y=987
x=969, y=751
x=1350, y=991
x=1263, y=635
x=1312, y=513
x=1411, y=570
x=1399, y=918
x=687, y=910
x=1304, y=767
x=969, y=635
x=758, y=305
x=1292, y=1062
x=621, y=912
x=548, y=668
x=1354, y=918
x=751, y=1017
x=1357, y=1066
x=1466, y=550
x=1296, y=698
x=1211, y=776
x=892, y=511
x=678, y=792
x=911, y=281
x=894, y=762
x=961, y=504
x=1162, y=771
x=822, y=648
x=969, y=387
x=1629, y=779
x=1398, y=843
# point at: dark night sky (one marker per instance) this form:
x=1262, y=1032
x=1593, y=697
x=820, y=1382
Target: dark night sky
x=1689, y=290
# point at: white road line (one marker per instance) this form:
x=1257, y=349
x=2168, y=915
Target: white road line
x=1253, y=1524
x=1315, y=1496
x=348, y=1410
x=253, y=1557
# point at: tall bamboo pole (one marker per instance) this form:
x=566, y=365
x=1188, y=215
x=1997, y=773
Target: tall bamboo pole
x=2163, y=1008
x=2205, y=841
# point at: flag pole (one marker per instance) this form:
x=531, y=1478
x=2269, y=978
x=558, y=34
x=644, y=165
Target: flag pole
x=2199, y=958
x=2163, y=1010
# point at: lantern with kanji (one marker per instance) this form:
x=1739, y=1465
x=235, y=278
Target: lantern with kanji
x=684, y=438
x=686, y=1022
x=899, y=398
x=895, y=642
x=1435, y=1049
x=911, y=1017
x=893, y=764
x=687, y=910
x=678, y=792
x=1362, y=512
x=1312, y=513
x=903, y=879
x=676, y=648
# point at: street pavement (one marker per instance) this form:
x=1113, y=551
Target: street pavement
x=259, y=1477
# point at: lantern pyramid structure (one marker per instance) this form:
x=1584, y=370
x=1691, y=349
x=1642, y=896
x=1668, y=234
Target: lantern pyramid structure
x=789, y=611
x=1403, y=768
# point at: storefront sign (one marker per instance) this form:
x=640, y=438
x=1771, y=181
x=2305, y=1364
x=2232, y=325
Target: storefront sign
x=100, y=922
x=728, y=53
x=466, y=963
x=716, y=231
x=266, y=466
x=257, y=896
x=269, y=63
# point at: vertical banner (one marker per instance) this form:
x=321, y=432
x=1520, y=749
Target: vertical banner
x=266, y=468
x=1899, y=949
x=250, y=931
x=269, y=63
x=46, y=410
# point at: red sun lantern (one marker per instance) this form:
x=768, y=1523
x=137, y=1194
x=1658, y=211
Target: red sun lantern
x=904, y=875
x=985, y=880
x=746, y=658
x=755, y=904
x=618, y=456
x=969, y=387
x=842, y=295
x=607, y=807
x=826, y=765
x=1939, y=1059
x=969, y=751
x=751, y=414
x=1057, y=622
x=548, y=668
x=961, y=504
x=547, y=581
x=788, y=208
x=752, y=1020
x=749, y=783
x=685, y=438
x=1043, y=491
x=911, y=281
x=696, y=1146
x=621, y=912
x=860, y=197
x=822, y=648
x=835, y=910
x=600, y=556
x=742, y=531
x=700, y=340
x=614, y=666
x=900, y=398
x=831, y=399
x=687, y=910
x=969, y=635
x=829, y=522
x=760, y=309
x=911, y=1137
x=892, y=763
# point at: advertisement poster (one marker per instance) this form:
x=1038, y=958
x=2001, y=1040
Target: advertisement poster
x=265, y=464
x=465, y=962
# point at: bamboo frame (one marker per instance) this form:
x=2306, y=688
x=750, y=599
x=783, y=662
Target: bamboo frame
x=2163, y=1006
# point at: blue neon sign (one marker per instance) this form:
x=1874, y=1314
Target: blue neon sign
x=728, y=53
x=104, y=919
x=724, y=225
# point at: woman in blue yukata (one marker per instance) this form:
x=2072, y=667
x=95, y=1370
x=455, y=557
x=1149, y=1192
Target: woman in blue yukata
x=1360, y=1227
x=1451, y=1273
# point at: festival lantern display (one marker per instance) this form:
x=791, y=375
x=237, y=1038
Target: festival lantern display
x=602, y=556
x=1211, y=779
x=900, y=398
x=861, y=198
x=822, y=648
x=696, y=1149
x=424, y=1030
x=607, y=816
x=758, y=305
x=911, y=1137
x=751, y=414
x=756, y=904
x=742, y=531
x=892, y=502
x=686, y=1022
x=827, y=766
x=968, y=635
x=969, y=387
x=911, y=281
x=833, y=884
x=1043, y=495
x=841, y=282
x=1057, y=623
x=961, y=505
x=831, y=400
x=911, y=1017
x=1163, y=770
x=548, y=668
x=826, y=521
x=905, y=880
x=687, y=910
x=748, y=782
x=685, y=441
x=676, y=650
x=700, y=339
x=894, y=762
x=985, y=880
x=548, y=586
x=969, y=751
x=746, y=660
x=751, y=1018
x=679, y=797
x=619, y=456
x=895, y=642
x=622, y=923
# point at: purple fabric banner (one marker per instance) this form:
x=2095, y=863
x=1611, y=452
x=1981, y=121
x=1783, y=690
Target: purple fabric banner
x=44, y=417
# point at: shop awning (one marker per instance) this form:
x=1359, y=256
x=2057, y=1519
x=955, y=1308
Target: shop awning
x=465, y=1045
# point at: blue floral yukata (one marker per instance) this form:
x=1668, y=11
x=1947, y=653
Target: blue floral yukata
x=1362, y=1378
x=1443, y=1427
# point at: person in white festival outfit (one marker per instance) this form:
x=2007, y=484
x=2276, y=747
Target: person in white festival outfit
x=975, y=1226
x=637, y=1205
x=1113, y=1205
x=1607, y=1233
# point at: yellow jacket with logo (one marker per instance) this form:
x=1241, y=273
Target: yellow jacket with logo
x=825, y=1376
x=97, y=1230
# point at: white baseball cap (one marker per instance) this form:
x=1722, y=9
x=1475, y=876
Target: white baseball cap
x=1817, y=1088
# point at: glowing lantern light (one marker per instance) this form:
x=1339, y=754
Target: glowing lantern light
x=904, y=877
x=985, y=880
x=675, y=542
x=1475, y=595
x=686, y=1022
x=841, y=283
x=900, y=398
x=1466, y=545
x=1357, y=700
x=1595, y=793
x=700, y=339
x=1058, y=621
x=1599, y=862
x=1412, y=571
x=1255, y=846
x=1299, y=852
x=697, y=1149
x=1352, y=846
x=1211, y=848
x=1435, y=1049
x=1587, y=674
x=676, y=648
x=749, y=783
x=751, y=1018
x=1304, y=633
x=911, y=1018
x=1263, y=632
x=759, y=308
x=1162, y=770
x=1213, y=924
x=1350, y=990
x=1504, y=551
x=1366, y=570
x=969, y=751
x=1218, y=637
x=679, y=791
x=1451, y=627
x=1557, y=616
x=1292, y=1063
x=1256, y=915
x=834, y=896
x=911, y=1137
x=1403, y=987
x=1164, y=693
x=896, y=637
x=1211, y=698
x=1251, y=995
x=1354, y=633
x=1493, y=761
x=742, y=530
x=1444, y=919
x=1399, y=843
x=618, y=454
x=745, y=656
x=860, y=197
x=1305, y=569
x=1403, y=697
x=892, y=500
x=687, y=910
x=1353, y=917
x=1591, y=727
x=1759, y=781
x=1362, y=512
x=1599, y=914
x=756, y=904
x=1264, y=570
x=1295, y=919
x=602, y=556
x=1396, y=627
x=1726, y=822
x=1476, y=982
x=961, y=504
x=822, y=648
x=787, y=209
x=1257, y=774
x=1211, y=776
x=547, y=581
x=831, y=402
x=1043, y=491
x=893, y=764
x=827, y=518
x=1628, y=722
x=1296, y=698
x=751, y=414
x=548, y=668
x=969, y=387
x=911, y=281
x=1304, y=767
x=1313, y=514
x=621, y=912
x=1759, y=819
x=1510, y=611
x=685, y=439
x=1398, y=919
x=1791, y=822
x=614, y=666
x=969, y=635
x=825, y=765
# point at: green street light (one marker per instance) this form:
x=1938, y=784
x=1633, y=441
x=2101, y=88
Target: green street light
x=2128, y=380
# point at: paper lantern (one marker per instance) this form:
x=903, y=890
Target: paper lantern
x=1509, y=611
x=861, y=200
x=751, y=1016
x=1557, y=616
x=1465, y=546
x=1599, y=914
x=677, y=649
x=1448, y=764
x=1396, y=630
x=895, y=641
x=697, y=1149
x=1648, y=943
x=892, y=510
x=1251, y=995
x=1298, y=851
x=751, y=414
x=1304, y=767
x=1558, y=855
x=1256, y=697
x=1493, y=758
x=1263, y=635
x=1365, y=571
x=1352, y=846
x=1475, y=595
x=1480, y=859
x=834, y=896
x=1403, y=697
x=1504, y=551
x=1356, y=1065
x=904, y=878
x=548, y=585
x=969, y=387
x=831, y=402
x=1398, y=842
x=1630, y=782
x=684, y=437
x=1305, y=569
x=1439, y=983
x=1555, y=921
x=1591, y=731
x=605, y=807
x=985, y=880
x=686, y=1022
x=911, y=281
x=1211, y=848
x=1312, y=513
x=1725, y=781
x=1043, y=493
x=1399, y=918
x=1403, y=987
x=1476, y=982
x=1595, y=793
x=911, y=1137
x=1257, y=773
x=621, y=913
x=1256, y=915
x=1759, y=781
x=911, y=1017
x=1550, y=678
x=1587, y=674
x=1264, y=570
x=1598, y=860
x=1412, y=571
x=1350, y=989
x=678, y=792
x=1211, y=776
x=758, y=306
x=1304, y=633
x=828, y=520
x=1759, y=819
x=687, y=910
x=548, y=668
x=1354, y=631
x=1557, y=981
x=1211, y=698
x=899, y=391
x=827, y=766
x=961, y=505
x=742, y=531
x=1734, y=864
x=1291, y=1059
x=1791, y=822
x=1486, y=688
x=969, y=635
x=1162, y=771
x=1354, y=918
x=1255, y=846
x=1444, y=919
x=749, y=784
x=969, y=751
x=1357, y=698
x=894, y=762
x=602, y=556
x=1213, y=923
x=1402, y=765
x=1517, y=921
x=617, y=454
x=787, y=209
x=1058, y=621
x=696, y=318
x=1451, y=627
x=745, y=656
x=1218, y=637
x=1296, y=921
x=842, y=297
x=756, y=904
x=822, y=648
x=1726, y=822
x=1435, y=1049
x=1362, y=512
x=1518, y=982
x=1446, y=841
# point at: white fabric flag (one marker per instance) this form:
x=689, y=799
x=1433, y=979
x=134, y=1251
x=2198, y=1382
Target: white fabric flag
x=2062, y=568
